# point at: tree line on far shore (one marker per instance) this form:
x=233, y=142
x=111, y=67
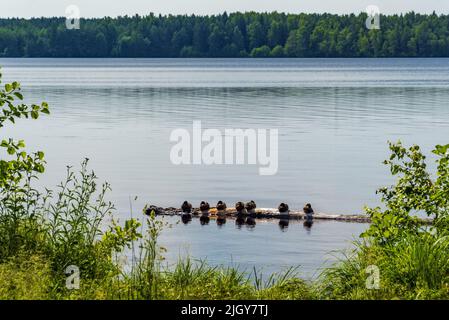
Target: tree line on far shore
x=248, y=34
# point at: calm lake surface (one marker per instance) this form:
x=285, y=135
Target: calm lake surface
x=334, y=118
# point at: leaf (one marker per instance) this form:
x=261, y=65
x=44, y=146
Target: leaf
x=11, y=150
x=15, y=85
x=18, y=95
x=441, y=150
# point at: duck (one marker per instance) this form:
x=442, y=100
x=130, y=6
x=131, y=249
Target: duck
x=251, y=209
x=284, y=215
x=221, y=212
x=221, y=206
x=240, y=208
x=186, y=215
x=148, y=210
x=204, y=208
x=186, y=207
x=283, y=208
x=308, y=212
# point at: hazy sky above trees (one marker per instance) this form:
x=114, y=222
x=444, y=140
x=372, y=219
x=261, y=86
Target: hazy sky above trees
x=100, y=8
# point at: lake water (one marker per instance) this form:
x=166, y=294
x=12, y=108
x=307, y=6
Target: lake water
x=334, y=118
x=265, y=246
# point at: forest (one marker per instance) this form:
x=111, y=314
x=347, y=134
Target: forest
x=247, y=34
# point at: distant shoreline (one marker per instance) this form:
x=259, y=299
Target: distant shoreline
x=234, y=35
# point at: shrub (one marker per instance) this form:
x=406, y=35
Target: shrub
x=415, y=193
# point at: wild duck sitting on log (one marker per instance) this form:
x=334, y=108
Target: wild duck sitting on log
x=240, y=213
x=221, y=212
x=251, y=208
x=186, y=215
x=251, y=211
x=153, y=209
x=186, y=207
x=308, y=212
x=283, y=209
x=204, y=208
x=285, y=215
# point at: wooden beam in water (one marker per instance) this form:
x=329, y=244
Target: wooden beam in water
x=264, y=213
x=269, y=213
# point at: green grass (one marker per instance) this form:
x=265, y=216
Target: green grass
x=417, y=267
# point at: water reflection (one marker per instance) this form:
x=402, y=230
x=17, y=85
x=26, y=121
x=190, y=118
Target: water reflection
x=240, y=222
x=186, y=218
x=221, y=221
x=283, y=224
x=308, y=225
x=250, y=221
x=204, y=220
x=297, y=246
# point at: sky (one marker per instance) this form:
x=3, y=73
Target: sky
x=101, y=8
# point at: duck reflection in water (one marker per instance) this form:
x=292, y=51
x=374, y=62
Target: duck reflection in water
x=186, y=215
x=308, y=225
x=204, y=220
x=251, y=210
x=204, y=208
x=284, y=214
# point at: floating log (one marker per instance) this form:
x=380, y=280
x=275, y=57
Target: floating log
x=262, y=213
x=270, y=213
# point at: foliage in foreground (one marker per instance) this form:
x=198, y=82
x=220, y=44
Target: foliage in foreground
x=416, y=267
x=417, y=192
x=412, y=257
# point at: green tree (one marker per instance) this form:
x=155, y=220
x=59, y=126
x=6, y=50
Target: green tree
x=255, y=34
x=200, y=36
x=233, y=35
x=277, y=52
x=216, y=42
x=238, y=40
x=261, y=52
x=276, y=34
